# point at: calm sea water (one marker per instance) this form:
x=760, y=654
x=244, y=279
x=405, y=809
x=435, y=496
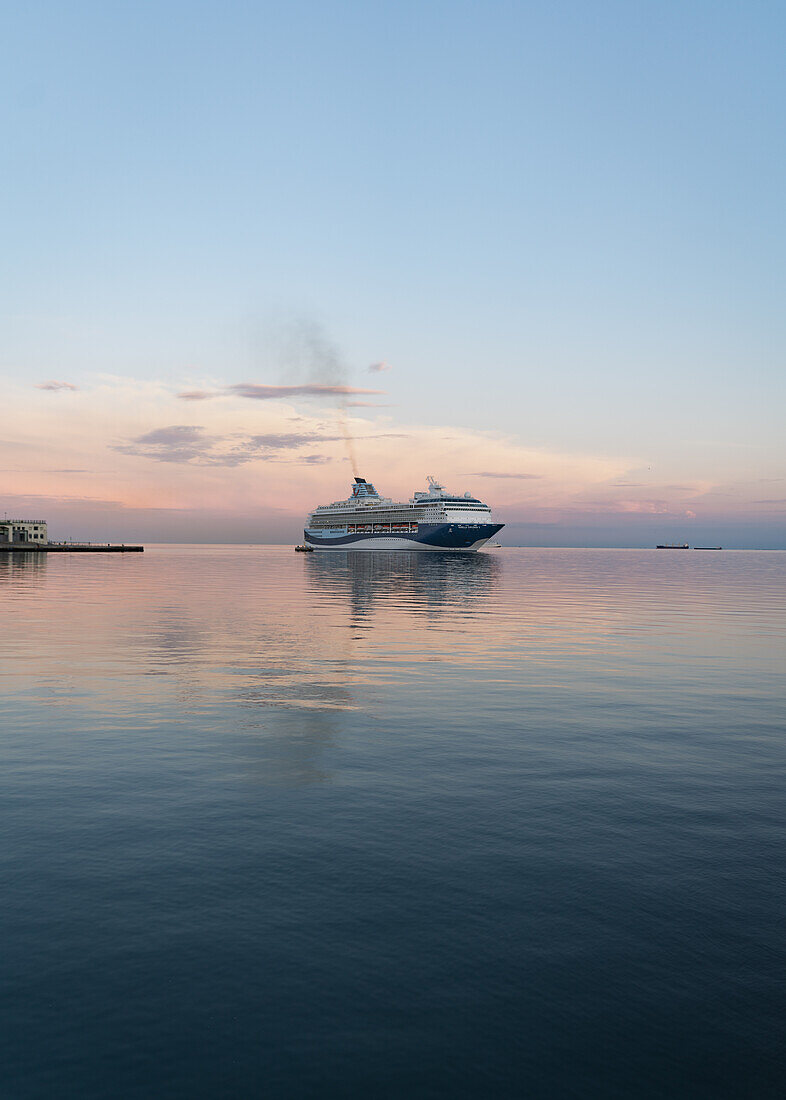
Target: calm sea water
x=389, y=825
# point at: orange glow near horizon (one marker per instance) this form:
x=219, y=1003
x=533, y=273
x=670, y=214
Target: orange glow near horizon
x=125, y=446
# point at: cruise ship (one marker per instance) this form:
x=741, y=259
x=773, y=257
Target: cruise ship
x=430, y=520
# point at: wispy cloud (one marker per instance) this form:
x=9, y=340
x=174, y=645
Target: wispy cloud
x=378, y=368
x=52, y=385
x=367, y=405
x=278, y=441
x=189, y=444
x=267, y=393
x=644, y=485
x=651, y=507
x=176, y=443
x=515, y=477
x=259, y=392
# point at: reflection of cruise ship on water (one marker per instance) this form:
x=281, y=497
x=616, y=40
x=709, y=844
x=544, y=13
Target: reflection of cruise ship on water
x=398, y=589
x=432, y=520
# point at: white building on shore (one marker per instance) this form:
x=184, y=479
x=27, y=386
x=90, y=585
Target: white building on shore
x=23, y=530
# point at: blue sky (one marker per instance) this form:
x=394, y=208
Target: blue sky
x=559, y=223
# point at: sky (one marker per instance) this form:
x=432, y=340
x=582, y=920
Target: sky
x=537, y=250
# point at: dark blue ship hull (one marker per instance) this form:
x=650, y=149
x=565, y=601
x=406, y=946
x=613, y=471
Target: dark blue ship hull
x=429, y=536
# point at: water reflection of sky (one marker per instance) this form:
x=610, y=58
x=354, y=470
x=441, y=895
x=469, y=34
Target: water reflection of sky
x=265, y=642
x=212, y=618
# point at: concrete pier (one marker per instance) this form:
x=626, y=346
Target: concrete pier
x=68, y=548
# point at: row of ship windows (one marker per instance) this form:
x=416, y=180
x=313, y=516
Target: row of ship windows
x=395, y=517
x=356, y=528
x=332, y=520
x=353, y=528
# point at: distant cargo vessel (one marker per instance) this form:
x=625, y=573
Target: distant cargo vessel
x=683, y=546
x=431, y=520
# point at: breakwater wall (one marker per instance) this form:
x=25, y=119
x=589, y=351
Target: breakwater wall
x=68, y=548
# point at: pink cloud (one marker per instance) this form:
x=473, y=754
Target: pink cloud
x=56, y=386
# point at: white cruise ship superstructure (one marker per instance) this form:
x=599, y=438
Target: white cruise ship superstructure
x=430, y=520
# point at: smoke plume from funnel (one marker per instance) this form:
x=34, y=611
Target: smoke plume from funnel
x=309, y=356
x=344, y=425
